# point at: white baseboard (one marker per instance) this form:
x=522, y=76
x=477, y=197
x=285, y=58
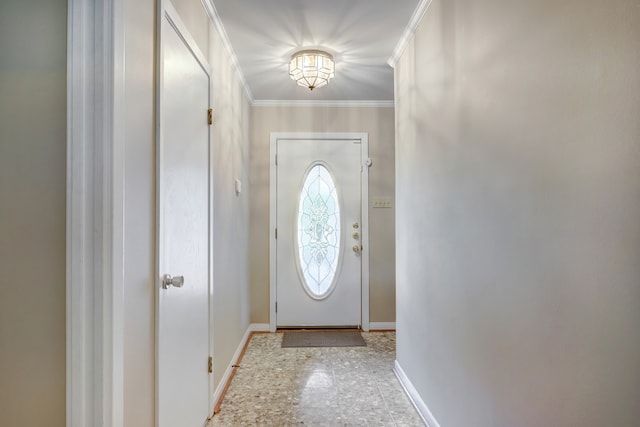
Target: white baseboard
x=382, y=326
x=253, y=327
x=259, y=327
x=415, y=398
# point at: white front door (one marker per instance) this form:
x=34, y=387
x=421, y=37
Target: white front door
x=319, y=232
x=183, y=230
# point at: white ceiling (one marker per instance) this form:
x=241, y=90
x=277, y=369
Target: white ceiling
x=361, y=35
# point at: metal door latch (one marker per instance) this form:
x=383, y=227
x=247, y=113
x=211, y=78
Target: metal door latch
x=176, y=282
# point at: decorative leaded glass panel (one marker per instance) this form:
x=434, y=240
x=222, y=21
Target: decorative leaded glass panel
x=318, y=233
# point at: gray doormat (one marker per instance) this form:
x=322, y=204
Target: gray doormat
x=322, y=339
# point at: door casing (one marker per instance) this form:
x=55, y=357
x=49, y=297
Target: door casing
x=363, y=137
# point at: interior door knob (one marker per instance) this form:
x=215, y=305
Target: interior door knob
x=176, y=282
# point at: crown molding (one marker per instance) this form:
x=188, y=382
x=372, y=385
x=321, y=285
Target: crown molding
x=421, y=9
x=217, y=23
x=321, y=103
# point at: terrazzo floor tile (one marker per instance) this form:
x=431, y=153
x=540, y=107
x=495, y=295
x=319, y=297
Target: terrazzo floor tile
x=321, y=386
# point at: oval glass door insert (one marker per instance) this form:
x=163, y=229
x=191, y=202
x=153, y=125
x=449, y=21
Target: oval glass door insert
x=318, y=232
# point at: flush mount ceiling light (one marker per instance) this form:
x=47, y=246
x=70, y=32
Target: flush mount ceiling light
x=312, y=68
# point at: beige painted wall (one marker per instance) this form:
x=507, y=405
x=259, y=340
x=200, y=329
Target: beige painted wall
x=139, y=210
x=231, y=212
x=230, y=144
x=32, y=212
x=379, y=123
x=518, y=205
x=32, y=219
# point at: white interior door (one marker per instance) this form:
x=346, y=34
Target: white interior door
x=183, y=229
x=319, y=233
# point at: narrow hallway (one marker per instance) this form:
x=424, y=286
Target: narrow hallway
x=319, y=386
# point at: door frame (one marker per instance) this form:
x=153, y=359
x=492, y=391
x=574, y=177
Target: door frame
x=363, y=137
x=96, y=114
x=168, y=11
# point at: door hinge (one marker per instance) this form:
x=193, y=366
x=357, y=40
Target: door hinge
x=210, y=116
x=276, y=160
x=210, y=368
x=276, y=306
x=276, y=232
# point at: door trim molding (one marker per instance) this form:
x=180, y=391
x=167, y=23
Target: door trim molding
x=95, y=213
x=364, y=147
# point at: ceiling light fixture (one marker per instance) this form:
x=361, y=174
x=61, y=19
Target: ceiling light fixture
x=312, y=68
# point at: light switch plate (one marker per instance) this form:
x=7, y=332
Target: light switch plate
x=382, y=202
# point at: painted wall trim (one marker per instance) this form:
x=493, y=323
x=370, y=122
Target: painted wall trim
x=311, y=103
x=415, y=398
x=418, y=13
x=95, y=214
x=273, y=175
x=364, y=238
x=212, y=13
x=234, y=360
x=259, y=327
x=223, y=384
x=382, y=326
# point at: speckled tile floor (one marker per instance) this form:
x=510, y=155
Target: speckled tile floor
x=328, y=386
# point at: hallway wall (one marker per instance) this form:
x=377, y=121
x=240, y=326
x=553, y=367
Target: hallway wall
x=379, y=123
x=139, y=215
x=33, y=85
x=231, y=118
x=518, y=205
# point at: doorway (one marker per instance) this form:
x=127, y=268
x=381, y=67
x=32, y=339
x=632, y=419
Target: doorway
x=319, y=220
x=184, y=228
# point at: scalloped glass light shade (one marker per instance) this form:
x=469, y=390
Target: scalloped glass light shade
x=312, y=68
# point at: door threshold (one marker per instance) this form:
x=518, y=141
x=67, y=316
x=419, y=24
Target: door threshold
x=318, y=328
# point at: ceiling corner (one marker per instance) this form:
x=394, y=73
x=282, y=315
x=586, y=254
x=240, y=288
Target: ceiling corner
x=212, y=13
x=421, y=9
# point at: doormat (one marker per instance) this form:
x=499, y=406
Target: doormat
x=322, y=339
